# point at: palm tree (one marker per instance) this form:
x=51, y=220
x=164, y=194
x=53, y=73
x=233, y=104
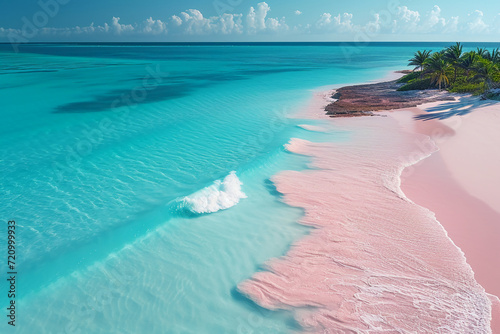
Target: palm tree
x=419, y=60
x=494, y=56
x=452, y=55
x=485, y=72
x=482, y=52
x=438, y=67
x=467, y=62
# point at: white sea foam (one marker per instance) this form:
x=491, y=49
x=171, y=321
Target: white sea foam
x=222, y=194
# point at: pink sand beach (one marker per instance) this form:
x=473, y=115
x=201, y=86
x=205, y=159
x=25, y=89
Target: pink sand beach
x=461, y=184
x=406, y=236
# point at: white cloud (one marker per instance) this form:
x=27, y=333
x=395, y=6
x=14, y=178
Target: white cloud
x=256, y=18
x=257, y=22
x=406, y=20
x=339, y=23
x=476, y=23
x=89, y=29
x=434, y=20
x=177, y=21
x=154, y=27
x=324, y=21
x=375, y=26
x=452, y=25
x=412, y=22
x=344, y=22
x=5, y=32
x=408, y=15
x=120, y=28
x=77, y=30
x=298, y=12
x=276, y=25
x=192, y=22
x=230, y=23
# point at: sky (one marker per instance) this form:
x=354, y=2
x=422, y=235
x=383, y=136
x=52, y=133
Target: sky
x=23, y=21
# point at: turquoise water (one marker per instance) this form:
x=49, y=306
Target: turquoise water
x=117, y=164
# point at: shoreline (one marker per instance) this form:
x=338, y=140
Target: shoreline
x=289, y=284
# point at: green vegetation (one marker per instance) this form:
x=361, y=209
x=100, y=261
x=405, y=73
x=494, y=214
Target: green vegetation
x=417, y=85
x=419, y=60
x=476, y=72
x=409, y=77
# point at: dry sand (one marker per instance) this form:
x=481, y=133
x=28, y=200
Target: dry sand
x=461, y=183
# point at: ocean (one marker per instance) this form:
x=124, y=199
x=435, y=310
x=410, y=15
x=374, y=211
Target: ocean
x=139, y=177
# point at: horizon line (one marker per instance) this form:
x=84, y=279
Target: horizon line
x=246, y=42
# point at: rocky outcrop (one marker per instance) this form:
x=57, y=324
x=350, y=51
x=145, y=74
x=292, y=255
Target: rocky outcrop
x=363, y=100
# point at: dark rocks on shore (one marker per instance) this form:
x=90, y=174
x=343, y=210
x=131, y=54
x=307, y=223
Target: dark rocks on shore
x=363, y=100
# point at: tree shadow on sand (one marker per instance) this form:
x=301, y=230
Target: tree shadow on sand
x=458, y=108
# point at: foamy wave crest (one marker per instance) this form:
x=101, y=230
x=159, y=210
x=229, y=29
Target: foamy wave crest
x=219, y=196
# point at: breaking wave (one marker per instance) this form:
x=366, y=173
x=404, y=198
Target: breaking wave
x=222, y=194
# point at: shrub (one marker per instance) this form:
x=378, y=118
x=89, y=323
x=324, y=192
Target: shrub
x=408, y=77
x=468, y=87
x=416, y=84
